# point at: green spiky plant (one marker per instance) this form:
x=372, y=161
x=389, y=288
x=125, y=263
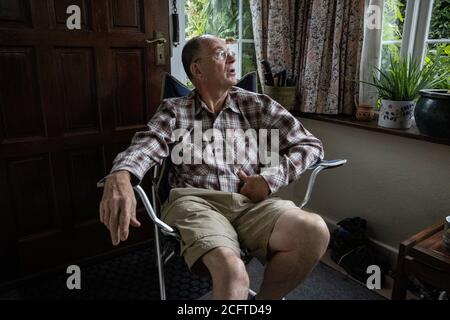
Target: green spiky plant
x=404, y=79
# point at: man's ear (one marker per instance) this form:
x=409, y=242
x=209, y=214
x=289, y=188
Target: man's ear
x=195, y=70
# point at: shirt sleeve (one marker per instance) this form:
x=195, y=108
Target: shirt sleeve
x=148, y=147
x=298, y=148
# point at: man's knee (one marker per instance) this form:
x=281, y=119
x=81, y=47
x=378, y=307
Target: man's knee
x=225, y=265
x=299, y=229
x=318, y=230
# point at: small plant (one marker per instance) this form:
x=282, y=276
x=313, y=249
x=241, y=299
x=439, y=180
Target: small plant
x=404, y=79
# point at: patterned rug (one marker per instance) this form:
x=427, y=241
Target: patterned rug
x=132, y=276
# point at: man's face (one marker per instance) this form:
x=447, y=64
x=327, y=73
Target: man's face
x=216, y=65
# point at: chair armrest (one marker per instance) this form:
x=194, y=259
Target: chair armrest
x=328, y=164
x=101, y=183
x=149, y=208
x=165, y=228
x=317, y=167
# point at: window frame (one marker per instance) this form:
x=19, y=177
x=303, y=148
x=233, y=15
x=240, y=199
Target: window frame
x=416, y=27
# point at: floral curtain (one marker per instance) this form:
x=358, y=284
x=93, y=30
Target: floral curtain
x=319, y=41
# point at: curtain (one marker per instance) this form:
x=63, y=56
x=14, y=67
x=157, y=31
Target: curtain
x=320, y=42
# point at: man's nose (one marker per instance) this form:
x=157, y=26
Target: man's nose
x=230, y=57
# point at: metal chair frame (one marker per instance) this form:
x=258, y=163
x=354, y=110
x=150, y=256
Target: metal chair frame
x=153, y=210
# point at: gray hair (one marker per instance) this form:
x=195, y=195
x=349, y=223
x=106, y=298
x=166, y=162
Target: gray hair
x=190, y=51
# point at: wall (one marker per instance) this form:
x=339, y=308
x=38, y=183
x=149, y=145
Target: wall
x=399, y=185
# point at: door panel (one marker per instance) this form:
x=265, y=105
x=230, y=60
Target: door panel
x=75, y=68
x=15, y=13
x=71, y=100
x=127, y=15
x=21, y=113
x=129, y=69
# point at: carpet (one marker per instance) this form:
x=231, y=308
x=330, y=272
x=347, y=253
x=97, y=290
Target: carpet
x=133, y=276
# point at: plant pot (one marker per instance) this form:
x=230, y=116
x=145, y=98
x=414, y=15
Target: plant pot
x=396, y=114
x=283, y=95
x=432, y=113
x=365, y=113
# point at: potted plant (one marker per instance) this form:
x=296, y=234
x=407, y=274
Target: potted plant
x=398, y=88
x=432, y=112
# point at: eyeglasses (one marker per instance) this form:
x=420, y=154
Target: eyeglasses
x=220, y=54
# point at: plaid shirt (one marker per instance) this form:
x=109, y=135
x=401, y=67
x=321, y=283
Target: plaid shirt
x=298, y=149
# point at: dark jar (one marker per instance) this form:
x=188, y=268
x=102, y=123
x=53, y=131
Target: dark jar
x=432, y=113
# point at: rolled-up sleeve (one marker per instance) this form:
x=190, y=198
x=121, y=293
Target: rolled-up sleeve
x=298, y=148
x=148, y=147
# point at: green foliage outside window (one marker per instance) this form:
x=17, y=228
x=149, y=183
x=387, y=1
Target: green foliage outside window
x=439, y=53
x=216, y=17
x=393, y=20
x=440, y=24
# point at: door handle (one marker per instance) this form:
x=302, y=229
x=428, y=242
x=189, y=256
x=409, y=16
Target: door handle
x=160, y=41
x=157, y=41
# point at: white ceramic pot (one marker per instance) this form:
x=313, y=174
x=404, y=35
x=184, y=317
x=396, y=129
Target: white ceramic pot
x=396, y=114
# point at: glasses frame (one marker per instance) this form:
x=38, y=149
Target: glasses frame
x=220, y=54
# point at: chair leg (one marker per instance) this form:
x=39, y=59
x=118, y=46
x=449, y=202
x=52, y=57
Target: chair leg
x=162, y=284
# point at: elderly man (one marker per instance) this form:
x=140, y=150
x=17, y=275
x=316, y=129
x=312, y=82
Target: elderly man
x=220, y=206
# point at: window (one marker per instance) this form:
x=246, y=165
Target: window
x=438, y=40
x=225, y=19
x=419, y=28
x=393, y=22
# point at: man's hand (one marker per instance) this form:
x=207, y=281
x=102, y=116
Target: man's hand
x=255, y=187
x=118, y=206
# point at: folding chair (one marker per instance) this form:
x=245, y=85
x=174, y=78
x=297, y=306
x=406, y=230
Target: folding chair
x=160, y=184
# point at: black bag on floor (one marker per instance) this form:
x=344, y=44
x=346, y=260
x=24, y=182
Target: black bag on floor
x=351, y=249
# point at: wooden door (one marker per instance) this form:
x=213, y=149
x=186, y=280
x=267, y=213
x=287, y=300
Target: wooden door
x=70, y=100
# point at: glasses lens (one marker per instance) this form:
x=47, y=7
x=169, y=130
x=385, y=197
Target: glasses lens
x=222, y=54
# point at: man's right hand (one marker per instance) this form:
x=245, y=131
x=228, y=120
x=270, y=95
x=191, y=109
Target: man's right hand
x=118, y=206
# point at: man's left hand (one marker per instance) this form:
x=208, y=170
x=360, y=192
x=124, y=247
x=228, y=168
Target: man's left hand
x=255, y=187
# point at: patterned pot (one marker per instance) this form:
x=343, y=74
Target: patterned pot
x=396, y=114
x=432, y=113
x=365, y=113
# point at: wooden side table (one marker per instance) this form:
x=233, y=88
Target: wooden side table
x=424, y=257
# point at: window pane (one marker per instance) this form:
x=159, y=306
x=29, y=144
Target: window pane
x=387, y=51
x=440, y=25
x=195, y=16
x=438, y=49
x=248, y=58
x=216, y=17
x=247, y=29
x=393, y=19
x=440, y=53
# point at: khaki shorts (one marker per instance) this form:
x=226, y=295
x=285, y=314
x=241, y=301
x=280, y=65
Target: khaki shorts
x=207, y=219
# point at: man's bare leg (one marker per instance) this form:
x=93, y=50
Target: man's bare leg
x=229, y=276
x=298, y=241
